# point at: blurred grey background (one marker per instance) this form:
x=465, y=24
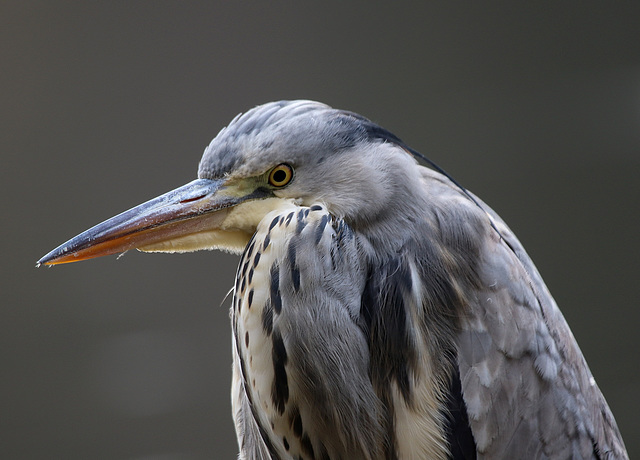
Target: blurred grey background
x=534, y=106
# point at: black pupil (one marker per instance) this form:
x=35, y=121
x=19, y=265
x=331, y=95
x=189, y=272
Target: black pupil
x=279, y=176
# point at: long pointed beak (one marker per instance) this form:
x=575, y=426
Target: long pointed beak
x=198, y=206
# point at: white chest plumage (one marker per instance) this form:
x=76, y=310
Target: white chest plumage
x=282, y=380
x=260, y=373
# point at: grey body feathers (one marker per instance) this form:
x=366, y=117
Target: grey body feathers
x=386, y=288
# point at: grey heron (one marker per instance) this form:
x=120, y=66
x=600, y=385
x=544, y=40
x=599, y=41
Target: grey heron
x=380, y=310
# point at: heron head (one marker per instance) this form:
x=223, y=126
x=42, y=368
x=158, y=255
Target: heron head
x=285, y=152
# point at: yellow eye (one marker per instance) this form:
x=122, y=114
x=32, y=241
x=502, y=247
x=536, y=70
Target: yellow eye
x=281, y=175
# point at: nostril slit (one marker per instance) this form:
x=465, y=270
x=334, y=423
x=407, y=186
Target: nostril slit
x=189, y=200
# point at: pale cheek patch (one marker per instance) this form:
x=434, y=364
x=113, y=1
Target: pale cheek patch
x=231, y=241
x=233, y=233
x=246, y=216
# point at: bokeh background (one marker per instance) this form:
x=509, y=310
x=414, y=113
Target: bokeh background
x=534, y=106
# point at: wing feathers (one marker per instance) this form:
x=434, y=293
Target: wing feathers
x=528, y=390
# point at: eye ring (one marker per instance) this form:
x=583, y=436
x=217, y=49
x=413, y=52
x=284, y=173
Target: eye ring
x=281, y=175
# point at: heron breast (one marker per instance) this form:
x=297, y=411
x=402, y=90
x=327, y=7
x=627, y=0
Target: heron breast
x=257, y=305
